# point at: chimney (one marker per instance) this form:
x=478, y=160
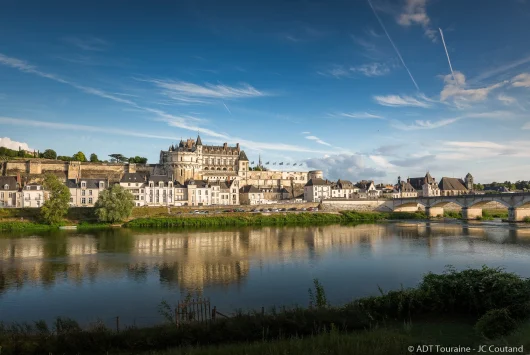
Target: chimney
x=19, y=182
x=225, y=145
x=237, y=146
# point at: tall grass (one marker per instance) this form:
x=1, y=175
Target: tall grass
x=474, y=293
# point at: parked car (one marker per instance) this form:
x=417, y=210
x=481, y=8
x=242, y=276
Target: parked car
x=283, y=209
x=303, y=209
x=275, y=210
x=255, y=210
x=292, y=209
x=196, y=212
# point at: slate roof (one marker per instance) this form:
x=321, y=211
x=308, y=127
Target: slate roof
x=364, y=184
x=32, y=186
x=428, y=178
x=199, y=141
x=344, y=184
x=277, y=190
x=90, y=183
x=249, y=189
x=10, y=181
x=317, y=182
x=447, y=184
x=199, y=183
x=406, y=187
x=133, y=177
x=417, y=182
x=243, y=156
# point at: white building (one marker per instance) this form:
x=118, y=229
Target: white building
x=32, y=196
x=225, y=192
x=251, y=195
x=135, y=183
x=159, y=191
x=344, y=189
x=404, y=189
x=8, y=191
x=180, y=194
x=85, y=192
x=367, y=189
x=199, y=193
x=317, y=190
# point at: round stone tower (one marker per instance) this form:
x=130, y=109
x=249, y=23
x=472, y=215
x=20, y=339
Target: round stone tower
x=315, y=174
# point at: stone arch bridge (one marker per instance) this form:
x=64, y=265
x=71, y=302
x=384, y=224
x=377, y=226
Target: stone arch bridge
x=518, y=204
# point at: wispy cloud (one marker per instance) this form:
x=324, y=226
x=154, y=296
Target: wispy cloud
x=357, y=115
x=336, y=71
x=195, y=93
x=455, y=88
x=415, y=13
x=11, y=144
x=399, y=101
x=382, y=162
x=318, y=140
x=345, y=166
x=428, y=124
x=76, y=127
x=521, y=80
x=372, y=69
x=507, y=100
x=502, y=68
x=472, y=150
x=88, y=43
x=393, y=45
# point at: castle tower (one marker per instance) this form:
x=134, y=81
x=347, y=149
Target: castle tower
x=469, y=181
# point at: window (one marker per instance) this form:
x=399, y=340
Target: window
x=101, y=185
x=206, y=192
x=199, y=192
x=90, y=200
x=71, y=199
x=6, y=187
x=83, y=184
x=89, y=192
x=10, y=195
x=83, y=192
x=129, y=184
x=141, y=191
x=83, y=201
x=2, y=195
x=137, y=184
x=141, y=197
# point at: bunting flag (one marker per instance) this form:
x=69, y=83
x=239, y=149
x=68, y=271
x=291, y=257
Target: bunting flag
x=267, y=163
x=252, y=163
x=281, y=163
x=294, y=164
x=274, y=163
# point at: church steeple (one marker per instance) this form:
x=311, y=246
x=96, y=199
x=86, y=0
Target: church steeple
x=198, y=142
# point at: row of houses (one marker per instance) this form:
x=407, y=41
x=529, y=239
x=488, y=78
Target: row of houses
x=147, y=190
x=428, y=187
x=317, y=190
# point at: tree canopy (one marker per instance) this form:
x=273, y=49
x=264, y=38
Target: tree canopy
x=56, y=205
x=114, y=204
x=49, y=154
x=79, y=156
x=118, y=158
x=138, y=160
x=94, y=158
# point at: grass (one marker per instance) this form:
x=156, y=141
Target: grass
x=453, y=308
x=246, y=219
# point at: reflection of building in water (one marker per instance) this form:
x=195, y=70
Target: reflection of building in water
x=195, y=260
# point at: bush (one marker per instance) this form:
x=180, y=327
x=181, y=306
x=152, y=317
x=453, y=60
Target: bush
x=469, y=292
x=495, y=323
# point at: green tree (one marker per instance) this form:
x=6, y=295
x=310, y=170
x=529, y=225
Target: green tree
x=49, y=154
x=114, y=204
x=79, y=156
x=21, y=153
x=56, y=205
x=94, y=158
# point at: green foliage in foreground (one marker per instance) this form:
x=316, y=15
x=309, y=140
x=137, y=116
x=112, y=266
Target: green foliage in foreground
x=21, y=226
x=114, y=204
x=526, y=219
x=245, y=219
x=498, y=300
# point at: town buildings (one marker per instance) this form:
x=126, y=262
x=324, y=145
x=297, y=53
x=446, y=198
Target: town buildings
x=316, y=190
x=9, y=187
x=427, y=187
x=251, y=195
x=85, y=192
x=32, y=196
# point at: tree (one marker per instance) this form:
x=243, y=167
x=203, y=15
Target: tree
x=94, y=158
x=114, y=204
x=118, y=158
x=79, y=156
x=49, y=154
x=138, y=160
x=56, y=206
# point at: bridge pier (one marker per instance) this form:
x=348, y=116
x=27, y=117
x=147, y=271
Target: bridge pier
x=518, y=214
x=471, y=213
x=432, y=212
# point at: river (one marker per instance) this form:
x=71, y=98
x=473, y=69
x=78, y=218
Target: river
x=127, y=273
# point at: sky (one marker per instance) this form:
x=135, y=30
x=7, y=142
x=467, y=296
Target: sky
x=359, y=89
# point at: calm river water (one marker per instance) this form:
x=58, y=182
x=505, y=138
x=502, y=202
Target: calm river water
x=127, y=273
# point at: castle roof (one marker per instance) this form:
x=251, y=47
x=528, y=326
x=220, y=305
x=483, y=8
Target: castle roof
x=428, y=178
x=406, y=187
x=10, y=181
x=90, y=183
x=133, y=177
x=243, y=156
x=198, y=142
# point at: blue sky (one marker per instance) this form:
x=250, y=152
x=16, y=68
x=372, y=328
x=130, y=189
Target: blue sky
x=359, y=89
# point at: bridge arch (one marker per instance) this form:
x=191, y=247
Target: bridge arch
x=445, y=203
x=480, y=204
x=525, y=203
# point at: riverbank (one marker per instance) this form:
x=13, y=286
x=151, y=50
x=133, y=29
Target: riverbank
x=227, y=219
x=457, y=308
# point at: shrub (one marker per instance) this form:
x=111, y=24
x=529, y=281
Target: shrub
x=495, y=323
x=526, y=219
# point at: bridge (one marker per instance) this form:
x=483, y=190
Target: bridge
x=518, y=204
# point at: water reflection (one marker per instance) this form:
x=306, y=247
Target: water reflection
x=192, y=260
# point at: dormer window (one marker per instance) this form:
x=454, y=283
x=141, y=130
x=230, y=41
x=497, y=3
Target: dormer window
x=6, y=187
x=101, y=185
x=160, y=184
x=151, y=184
x=83, y=184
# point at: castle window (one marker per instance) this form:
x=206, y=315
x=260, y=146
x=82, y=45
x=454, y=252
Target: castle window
x=6, y=187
